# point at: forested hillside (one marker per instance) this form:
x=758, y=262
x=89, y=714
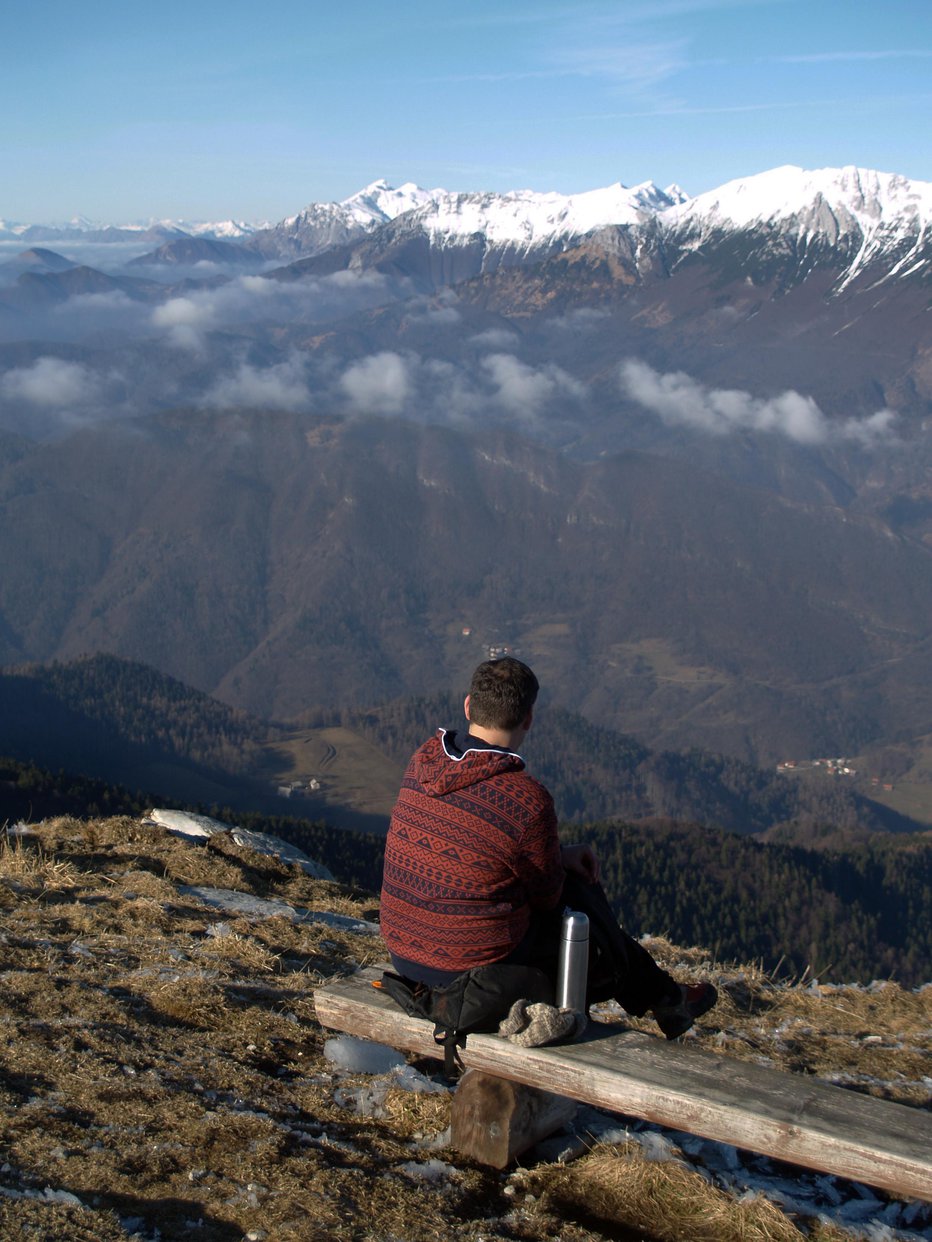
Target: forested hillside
x=125, y=723
x=596, y=773
x=857, y=915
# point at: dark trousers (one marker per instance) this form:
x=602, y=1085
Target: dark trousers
x=619, y=967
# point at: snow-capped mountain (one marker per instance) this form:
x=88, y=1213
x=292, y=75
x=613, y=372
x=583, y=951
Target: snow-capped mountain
x=524, y=217
x=861, y=215
x=321, y=226
x=82, y=229
x=795, y=220
x=379, y=202
x=223, y=230
x=840, y=198
x=518, y=218
x=850, y=219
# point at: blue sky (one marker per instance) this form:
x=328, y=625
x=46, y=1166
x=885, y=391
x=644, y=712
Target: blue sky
x=209, y=110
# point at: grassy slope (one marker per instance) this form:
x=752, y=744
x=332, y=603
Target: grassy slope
x=161, y=1064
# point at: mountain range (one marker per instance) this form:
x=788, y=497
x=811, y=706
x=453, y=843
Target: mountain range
x=869, y=215
x=672, y=449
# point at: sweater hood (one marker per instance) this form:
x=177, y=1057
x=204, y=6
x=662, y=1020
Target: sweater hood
x=452, y=761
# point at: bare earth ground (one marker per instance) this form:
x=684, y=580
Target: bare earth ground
x=162, y=1075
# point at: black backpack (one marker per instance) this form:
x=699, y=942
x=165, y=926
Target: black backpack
x=476, y=1000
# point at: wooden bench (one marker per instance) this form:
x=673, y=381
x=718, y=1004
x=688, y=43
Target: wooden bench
x=788, y=1116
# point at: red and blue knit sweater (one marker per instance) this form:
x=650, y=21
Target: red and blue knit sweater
x=472, y=849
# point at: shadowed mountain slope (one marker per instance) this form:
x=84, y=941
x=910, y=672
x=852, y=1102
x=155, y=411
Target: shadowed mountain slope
x=299, y=562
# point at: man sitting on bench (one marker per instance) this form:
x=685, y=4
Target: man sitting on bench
x=475, y=874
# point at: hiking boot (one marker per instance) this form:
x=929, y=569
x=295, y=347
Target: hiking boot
x=676, y=1018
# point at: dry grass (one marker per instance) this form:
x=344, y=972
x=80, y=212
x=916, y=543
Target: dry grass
x=33, y=869
x=619, y=1187
x=876, y=1039
x=161, y=1063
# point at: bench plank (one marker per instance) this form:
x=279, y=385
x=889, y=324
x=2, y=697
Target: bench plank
x=788, y=1116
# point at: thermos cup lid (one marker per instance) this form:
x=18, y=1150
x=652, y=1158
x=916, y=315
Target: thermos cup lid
x=575, y=926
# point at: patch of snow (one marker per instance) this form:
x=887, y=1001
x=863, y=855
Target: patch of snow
x=431, y=1171
x=48, y=1195
x=361, y=1056
x=410, y=1079
x=657, y=1146
x=21, y=830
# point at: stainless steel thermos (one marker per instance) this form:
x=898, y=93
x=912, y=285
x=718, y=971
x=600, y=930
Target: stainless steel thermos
x=573, y=962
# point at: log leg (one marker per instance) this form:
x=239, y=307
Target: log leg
x=494, y=1120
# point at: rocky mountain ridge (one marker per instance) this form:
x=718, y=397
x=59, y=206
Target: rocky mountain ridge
x=870, y=216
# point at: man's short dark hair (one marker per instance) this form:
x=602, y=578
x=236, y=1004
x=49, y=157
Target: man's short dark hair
x=501, y=693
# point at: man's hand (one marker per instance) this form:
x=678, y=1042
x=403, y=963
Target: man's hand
x=581, y=859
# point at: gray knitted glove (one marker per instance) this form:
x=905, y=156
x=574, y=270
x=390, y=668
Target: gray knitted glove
x=532, y=1026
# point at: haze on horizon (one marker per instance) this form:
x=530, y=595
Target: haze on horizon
x=211, y=111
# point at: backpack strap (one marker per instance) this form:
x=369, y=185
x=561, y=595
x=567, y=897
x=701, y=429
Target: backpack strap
x=414, y=998
x=452, y=1041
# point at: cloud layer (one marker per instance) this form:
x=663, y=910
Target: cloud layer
x=680, y=400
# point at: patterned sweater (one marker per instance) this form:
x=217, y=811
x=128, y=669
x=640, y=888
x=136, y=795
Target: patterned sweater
x=472, y=849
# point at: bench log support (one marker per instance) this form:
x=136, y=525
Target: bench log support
x=495, y=1120
x=792, y=1117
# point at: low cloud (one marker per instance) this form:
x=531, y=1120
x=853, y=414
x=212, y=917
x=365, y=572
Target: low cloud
x=435, y=390
x=441, y=316
x=379, y=384
x=577, y=321
x=680, y=400
x=283, y=386
x=872, y=429
x=185, y=320
x=496, y=338
x=258, y=299
x=525, y=390
x=52, y=383
x=192, y=312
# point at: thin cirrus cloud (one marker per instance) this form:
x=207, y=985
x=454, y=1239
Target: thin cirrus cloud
x=820, y=58
x=633, y=65
x=680, y=400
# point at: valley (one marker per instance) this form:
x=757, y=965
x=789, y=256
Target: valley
x=672, y=451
